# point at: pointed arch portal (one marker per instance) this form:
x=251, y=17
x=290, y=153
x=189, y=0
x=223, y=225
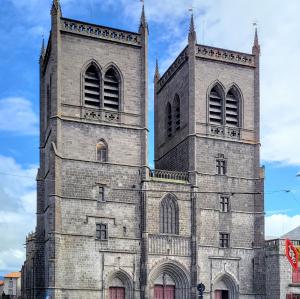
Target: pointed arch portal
x=119, y=285
x=169, y=280
x=225, y=287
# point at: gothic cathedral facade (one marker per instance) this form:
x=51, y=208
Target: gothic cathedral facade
x=108, y=226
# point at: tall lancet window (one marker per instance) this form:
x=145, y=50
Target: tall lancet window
x=232, y=108
x=92, y=87
x=169, y=122
x=216, y=106
x=169, y=215
x=177, y=113
x=111, y=99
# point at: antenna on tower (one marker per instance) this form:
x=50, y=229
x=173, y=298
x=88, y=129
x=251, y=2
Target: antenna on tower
x=91, y=9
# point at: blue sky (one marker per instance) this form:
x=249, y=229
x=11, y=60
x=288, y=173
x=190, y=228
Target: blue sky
x=220, y=23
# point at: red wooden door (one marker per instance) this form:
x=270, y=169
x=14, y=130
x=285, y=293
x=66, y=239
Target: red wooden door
x=164, y=292
x=116, y=293
x=158, y=292
x=169, y=292
x=218, y=294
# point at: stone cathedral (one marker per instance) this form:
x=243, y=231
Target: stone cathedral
x=108, y=226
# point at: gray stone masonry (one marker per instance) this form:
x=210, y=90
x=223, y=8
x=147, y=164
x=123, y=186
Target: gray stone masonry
x=162, y=227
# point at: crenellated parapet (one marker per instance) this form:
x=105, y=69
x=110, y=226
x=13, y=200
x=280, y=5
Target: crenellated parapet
x=223, y=55
x=101, y=32
x=179, y=61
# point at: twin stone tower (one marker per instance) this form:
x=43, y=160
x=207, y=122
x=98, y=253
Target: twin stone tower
x=108, y=226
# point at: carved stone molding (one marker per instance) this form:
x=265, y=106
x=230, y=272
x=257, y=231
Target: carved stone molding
x=173, y=68
x=101, y=32
x=223, y=131
x=170, y=245
x=101, y=115
x=225, y=55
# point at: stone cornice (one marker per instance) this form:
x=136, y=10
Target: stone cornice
x=182, y=57
x=224, y=55
x=100, y=32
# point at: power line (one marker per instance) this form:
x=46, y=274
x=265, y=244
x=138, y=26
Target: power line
x=196, y=192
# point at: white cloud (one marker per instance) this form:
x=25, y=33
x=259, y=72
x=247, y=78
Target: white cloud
x=280, y=224
x=17, y=215
x=17, y=116
x=9, y=258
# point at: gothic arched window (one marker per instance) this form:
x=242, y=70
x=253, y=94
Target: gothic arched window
x=169, y=215
x=177, y=112
x=111, y=99
x=101, y=149
x=216, y=106
x=92, y=86
x=169, y=124
x=232, y=108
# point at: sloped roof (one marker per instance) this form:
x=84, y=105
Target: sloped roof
x=1, y=282
x=293, y=234
x=13, y=275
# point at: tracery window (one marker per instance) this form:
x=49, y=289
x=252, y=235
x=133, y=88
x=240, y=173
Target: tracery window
x=101, y=149
x=92, y=87
x=111, y=99
x=169, y=215
x=177, y=112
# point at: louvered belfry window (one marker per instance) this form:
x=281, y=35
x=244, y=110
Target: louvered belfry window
x=92, y=87
x=177, y=112
x=232, y=109
x=111, y=90
x=215, y=107
x=169, y=123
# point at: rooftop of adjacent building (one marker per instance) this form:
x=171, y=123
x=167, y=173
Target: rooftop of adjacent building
x=277, y=244
x=292, y=235
x=13, y=275
x=1, y=283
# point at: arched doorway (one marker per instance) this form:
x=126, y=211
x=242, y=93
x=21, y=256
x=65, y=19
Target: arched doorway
x=225, y=287
x=119, y=286
x=169, y=280
x=164, y=287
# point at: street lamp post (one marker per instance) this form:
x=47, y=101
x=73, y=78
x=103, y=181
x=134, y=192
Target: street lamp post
x=201, y=289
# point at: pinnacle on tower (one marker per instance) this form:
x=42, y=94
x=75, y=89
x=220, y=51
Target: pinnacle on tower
x=42, y=49
x=157, y=74
x=56, y=6
x=256, y=38
x=192, y=24
x=256, y=46
x=192, y=32
x=143, y=22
